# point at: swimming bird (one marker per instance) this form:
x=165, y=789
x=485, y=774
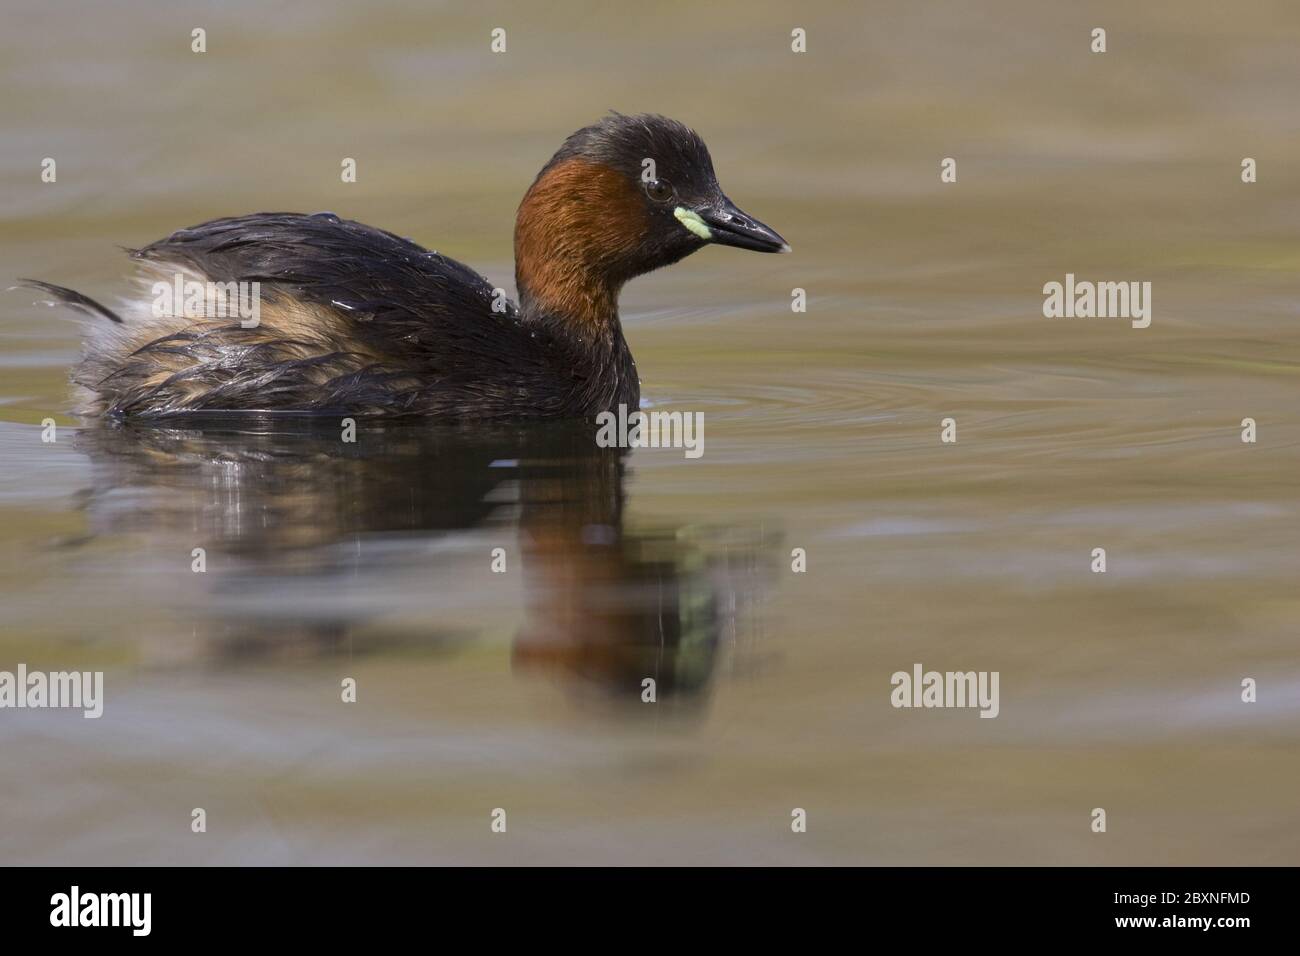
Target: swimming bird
x=354, y=319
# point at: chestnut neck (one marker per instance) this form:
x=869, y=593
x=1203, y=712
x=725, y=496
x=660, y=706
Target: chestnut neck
x=576, y=232
x=583, y=308
x=575, y=236
x=568, y=285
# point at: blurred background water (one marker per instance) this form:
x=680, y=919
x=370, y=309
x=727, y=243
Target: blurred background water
x=521, y=690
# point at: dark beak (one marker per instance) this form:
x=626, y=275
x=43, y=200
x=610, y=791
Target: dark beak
x=731, y=227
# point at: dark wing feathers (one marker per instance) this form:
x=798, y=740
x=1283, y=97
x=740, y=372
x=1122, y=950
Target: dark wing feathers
x=430, y=315
x=392, y=328
x=331, y=261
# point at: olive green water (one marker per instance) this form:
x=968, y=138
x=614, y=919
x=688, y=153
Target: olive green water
x=521, y=690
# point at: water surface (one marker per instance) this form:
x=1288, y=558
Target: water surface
x=521, y=690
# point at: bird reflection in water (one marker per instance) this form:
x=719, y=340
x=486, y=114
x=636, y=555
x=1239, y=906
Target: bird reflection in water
x=304, y=535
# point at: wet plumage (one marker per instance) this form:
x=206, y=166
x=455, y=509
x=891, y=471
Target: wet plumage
x=355, y=319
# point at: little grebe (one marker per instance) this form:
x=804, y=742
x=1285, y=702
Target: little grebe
x=352, y=318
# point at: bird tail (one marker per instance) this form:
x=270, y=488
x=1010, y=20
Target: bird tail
x=72, y=298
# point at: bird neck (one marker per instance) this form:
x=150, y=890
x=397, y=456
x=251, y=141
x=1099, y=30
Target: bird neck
x=595, y=360
x=569, y=298
x=573, y=296
x=576, y=235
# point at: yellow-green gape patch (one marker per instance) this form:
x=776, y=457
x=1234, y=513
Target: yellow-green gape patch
x=692, y=221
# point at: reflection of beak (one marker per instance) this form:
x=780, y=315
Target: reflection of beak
x=728, y=226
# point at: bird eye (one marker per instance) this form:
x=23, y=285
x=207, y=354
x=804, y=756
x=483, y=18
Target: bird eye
x=660, y=190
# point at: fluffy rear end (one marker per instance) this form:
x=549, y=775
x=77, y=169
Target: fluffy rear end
x=143, y=360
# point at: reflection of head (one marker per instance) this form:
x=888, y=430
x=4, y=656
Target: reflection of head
x=615, y=611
